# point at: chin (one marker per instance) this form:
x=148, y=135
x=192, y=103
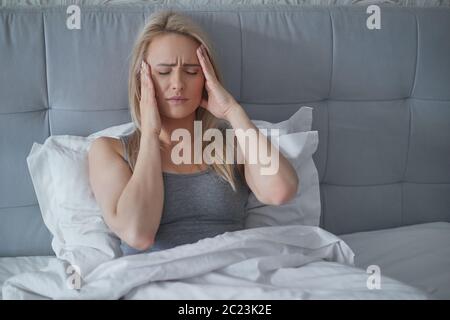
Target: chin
x=175, y=114
x=178, y=112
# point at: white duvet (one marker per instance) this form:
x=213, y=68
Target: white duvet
x=285, y=262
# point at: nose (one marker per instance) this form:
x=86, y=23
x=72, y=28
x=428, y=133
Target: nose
x=177, y=81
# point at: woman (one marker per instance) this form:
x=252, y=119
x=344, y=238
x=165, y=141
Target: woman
x=147, y=200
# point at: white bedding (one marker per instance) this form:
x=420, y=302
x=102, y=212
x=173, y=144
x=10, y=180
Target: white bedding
x=288, y=262
x=418, y=255
x=11, y=266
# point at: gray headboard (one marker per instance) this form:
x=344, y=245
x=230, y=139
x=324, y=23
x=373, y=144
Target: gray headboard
x=381, y=100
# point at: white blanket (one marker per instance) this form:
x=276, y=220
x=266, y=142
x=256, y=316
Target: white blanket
x=286, y=262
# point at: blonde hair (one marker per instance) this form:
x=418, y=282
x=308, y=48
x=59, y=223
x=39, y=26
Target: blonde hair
x=167, y=22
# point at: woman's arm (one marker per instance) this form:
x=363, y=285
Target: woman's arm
x=141, y=202
x=275, y=188
x=131, y=203
x=143, y=197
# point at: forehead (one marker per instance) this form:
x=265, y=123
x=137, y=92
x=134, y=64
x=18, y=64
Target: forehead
x=170, y=47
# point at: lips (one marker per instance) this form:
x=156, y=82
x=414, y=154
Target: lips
x=177, y=101
x=177, y=98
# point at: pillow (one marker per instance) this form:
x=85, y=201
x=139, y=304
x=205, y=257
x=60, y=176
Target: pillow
x=59, y=173
x=300, y=121
x=304, y=208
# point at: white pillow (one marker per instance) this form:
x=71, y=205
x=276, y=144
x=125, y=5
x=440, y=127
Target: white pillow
x=304, y=208
x=300, y=121
x=59, y=172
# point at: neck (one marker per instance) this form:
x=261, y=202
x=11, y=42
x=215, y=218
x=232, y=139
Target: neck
x=168, y=125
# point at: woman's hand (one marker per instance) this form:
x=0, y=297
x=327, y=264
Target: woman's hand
x=220, y=101
x=150, y=118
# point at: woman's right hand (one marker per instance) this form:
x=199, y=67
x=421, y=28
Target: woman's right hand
x=150, y=118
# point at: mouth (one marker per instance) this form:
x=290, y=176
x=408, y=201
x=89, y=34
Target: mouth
x=177, y=100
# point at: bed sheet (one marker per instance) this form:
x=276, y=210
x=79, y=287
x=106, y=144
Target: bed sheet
x=418, y=255
x=283, y=262
x=11, y=266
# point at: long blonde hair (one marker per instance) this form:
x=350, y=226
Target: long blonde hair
x=166, y=22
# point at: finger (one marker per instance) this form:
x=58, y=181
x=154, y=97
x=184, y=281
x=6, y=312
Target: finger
x=149, y=75
x=203, y=64
x=207, y=61
x=144, y=83
x=148, y=88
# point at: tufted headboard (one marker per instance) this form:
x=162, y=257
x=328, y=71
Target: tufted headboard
x=381, y=99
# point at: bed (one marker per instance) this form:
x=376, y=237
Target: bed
x=288, y=262
x=381, y=106
x=416, y=255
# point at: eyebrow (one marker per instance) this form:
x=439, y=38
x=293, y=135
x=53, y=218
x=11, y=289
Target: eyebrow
x=174, y=64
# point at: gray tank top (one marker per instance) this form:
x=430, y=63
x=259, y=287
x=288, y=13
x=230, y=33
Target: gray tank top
x=196, y=206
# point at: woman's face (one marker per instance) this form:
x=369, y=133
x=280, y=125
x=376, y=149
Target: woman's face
x=176, y=71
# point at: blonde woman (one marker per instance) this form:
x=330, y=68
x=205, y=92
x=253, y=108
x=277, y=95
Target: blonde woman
x=147, y=200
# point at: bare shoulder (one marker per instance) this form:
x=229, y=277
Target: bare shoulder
x=106, y=146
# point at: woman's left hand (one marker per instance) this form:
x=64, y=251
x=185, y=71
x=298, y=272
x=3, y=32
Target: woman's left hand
x=220, y=102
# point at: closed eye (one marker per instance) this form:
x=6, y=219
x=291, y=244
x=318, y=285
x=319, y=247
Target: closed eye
x=190, y=73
